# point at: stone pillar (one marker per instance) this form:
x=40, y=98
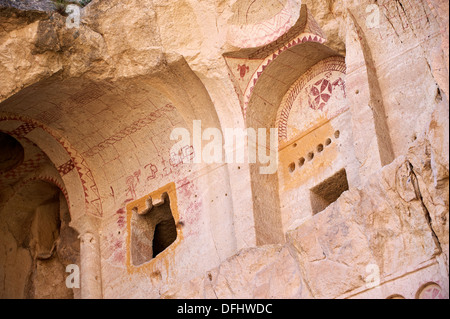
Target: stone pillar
x=373, y=146
x=90, y=270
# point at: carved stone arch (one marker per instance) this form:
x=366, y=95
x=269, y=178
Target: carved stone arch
x=107, y=126
x=272, y=70
x=77, y=182
x=291, y=54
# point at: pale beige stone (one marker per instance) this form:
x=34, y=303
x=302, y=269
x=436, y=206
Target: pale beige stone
x=258, y=273
x=94, y=108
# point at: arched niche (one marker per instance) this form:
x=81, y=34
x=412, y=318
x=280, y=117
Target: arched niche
x=396, y=296
x=430, y=290
x=261, y=76
x=12, y=153
x=111, y=142
x=317, y=162
x=261, y=112
x=37, y=240
x=73, y=175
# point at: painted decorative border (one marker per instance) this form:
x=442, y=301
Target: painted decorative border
x=302, y=38
x=336, y=63
x=91, y=192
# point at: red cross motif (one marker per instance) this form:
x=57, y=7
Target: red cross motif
x=321, y=94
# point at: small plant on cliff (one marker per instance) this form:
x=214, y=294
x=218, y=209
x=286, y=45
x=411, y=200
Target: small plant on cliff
x=84, y=2
x=60, y=5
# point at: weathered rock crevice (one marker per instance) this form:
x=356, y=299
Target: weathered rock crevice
x=428, y=218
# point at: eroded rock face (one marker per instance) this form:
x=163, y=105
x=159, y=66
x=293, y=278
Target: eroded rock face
x=395, y=222
x=384, y=224
x=264, y=273
x=37, y=5
x=36, y=248
x=39, y=45
x=331, y=17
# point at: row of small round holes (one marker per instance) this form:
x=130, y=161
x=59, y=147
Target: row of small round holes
x=310, y=155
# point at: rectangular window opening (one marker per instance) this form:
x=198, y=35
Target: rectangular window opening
x=327, y=192
x=152, y=230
